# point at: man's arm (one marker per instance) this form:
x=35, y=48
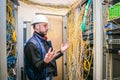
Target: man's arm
x=63, y=49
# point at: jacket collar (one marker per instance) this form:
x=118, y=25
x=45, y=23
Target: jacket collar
x=38, y=36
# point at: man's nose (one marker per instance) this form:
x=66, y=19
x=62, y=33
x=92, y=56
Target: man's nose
x=46, y=28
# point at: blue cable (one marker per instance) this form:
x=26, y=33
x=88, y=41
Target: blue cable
x=84, y=19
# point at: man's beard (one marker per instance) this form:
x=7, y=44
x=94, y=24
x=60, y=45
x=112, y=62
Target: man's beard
x=41, y=34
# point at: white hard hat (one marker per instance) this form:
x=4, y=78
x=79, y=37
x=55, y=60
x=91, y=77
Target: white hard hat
x=39, y=19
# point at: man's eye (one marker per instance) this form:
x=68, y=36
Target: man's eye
x=45, y=25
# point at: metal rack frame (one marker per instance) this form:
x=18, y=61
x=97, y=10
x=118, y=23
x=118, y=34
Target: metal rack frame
x=3, y=59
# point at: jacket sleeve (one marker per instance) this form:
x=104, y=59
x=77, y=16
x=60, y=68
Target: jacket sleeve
x=59, y=54
x=33, y=56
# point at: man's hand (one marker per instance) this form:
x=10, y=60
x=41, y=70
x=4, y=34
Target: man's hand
x=49, y=56
x=65, y=47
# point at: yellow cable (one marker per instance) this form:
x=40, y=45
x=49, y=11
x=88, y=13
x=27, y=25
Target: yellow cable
x=76, y=48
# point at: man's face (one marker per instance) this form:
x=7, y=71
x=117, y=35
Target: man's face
x=42, y=28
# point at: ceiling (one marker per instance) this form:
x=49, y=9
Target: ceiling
x=59, y=7
x=55, y=2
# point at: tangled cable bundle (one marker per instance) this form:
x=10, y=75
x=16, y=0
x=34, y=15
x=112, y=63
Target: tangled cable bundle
x=80, y=53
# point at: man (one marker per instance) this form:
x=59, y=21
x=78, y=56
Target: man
x=39, y=56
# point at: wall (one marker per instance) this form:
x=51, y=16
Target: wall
x=26, y=13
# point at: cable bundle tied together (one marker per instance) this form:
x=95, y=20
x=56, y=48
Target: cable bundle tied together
x=84, y=19
x=88, y=45
x=76, y=48
x=80, y=53
x=11, y=41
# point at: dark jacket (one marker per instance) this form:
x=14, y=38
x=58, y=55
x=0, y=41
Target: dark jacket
x=34, y=53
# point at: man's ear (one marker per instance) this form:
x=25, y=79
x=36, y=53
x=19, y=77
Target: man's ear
x=33, y=26
x=36, y=26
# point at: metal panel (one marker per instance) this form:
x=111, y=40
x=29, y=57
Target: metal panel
x=20, y=47
x=3, y=60
x=98, y=52
x=64, y=31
